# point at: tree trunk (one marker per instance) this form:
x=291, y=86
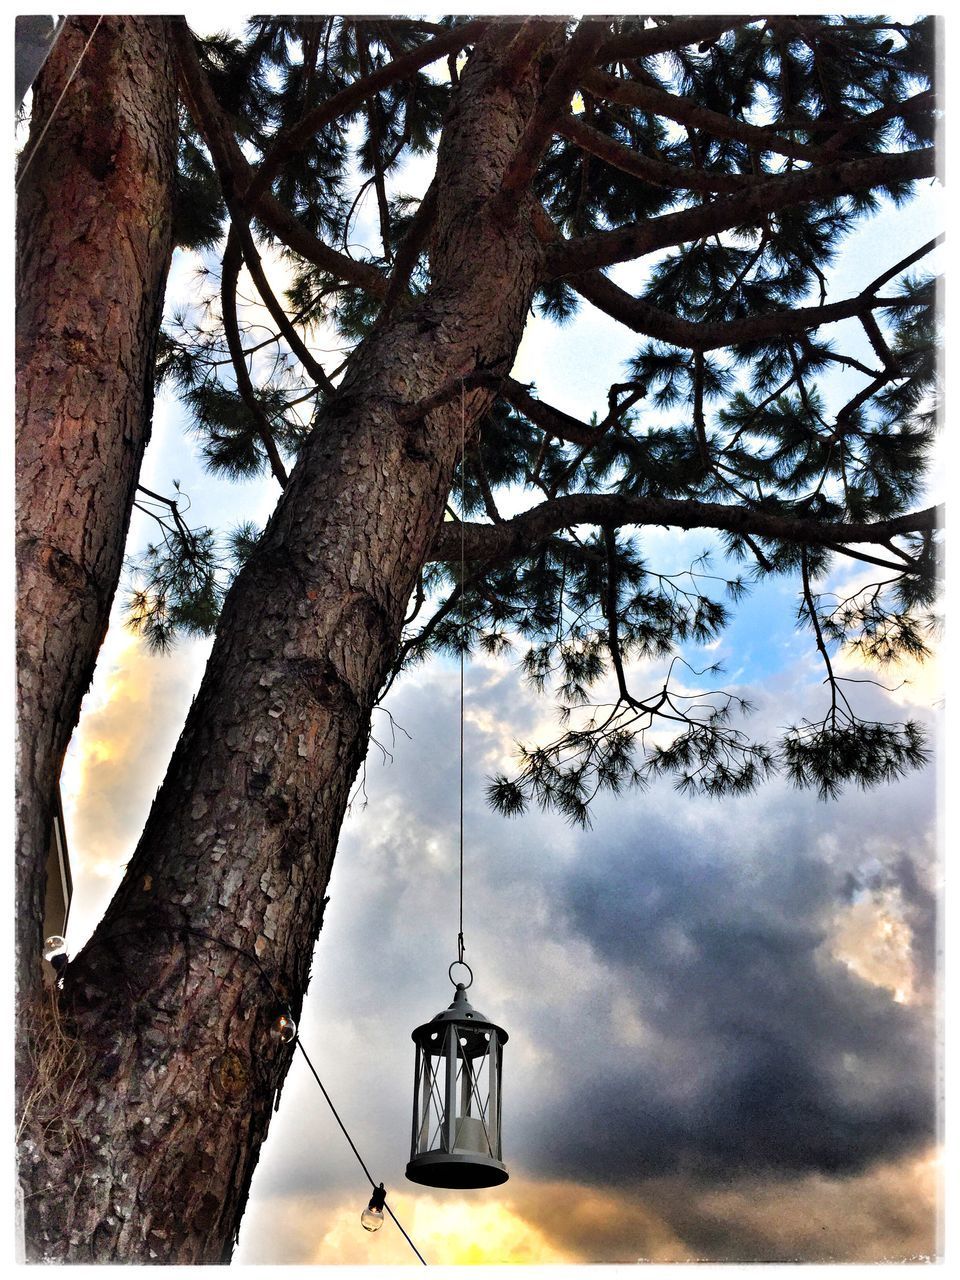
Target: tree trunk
x=93, y=247
x=153, y=1150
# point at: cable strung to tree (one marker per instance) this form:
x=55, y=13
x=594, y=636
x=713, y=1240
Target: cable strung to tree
x=56, y=106
x=353, y=1148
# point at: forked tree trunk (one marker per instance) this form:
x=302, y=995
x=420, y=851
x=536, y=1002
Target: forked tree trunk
x=93, y=247
x=157, y=1141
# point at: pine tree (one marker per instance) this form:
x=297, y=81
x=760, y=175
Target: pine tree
x=736, y=156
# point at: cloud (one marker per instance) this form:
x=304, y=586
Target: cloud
x=885, y=1214
x=454, y=1230
x=130, y=722
x=764, y=1043
x=692, y=1014
x=707, y=1058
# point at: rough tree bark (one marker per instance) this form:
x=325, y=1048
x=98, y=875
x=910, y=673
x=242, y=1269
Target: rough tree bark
x=93, y=246
x=157, y=1139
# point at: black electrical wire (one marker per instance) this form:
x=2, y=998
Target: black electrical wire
x=463, y=632
x=353, y=1148
x=56, y=106
x=251, y=955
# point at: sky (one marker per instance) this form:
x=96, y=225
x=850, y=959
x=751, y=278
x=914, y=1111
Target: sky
x=723, y=1015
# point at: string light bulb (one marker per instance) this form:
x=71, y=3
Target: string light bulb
x=284, y=1029
x=54, y=946
x=372, y=1217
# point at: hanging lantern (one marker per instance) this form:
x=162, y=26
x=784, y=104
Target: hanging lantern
x=456, y=1098
x=457, y=1078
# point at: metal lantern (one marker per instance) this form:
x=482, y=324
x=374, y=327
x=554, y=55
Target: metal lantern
x=456, y=1099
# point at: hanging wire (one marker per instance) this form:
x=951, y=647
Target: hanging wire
x=463, y=633
x=353, y=1148
x=56, y=105
x=252, y=955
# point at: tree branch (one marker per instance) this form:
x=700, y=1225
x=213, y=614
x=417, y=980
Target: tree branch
x=523, y=532
x=549, y=419
x=811, y=609
x=251, y=257
x=907, y=567
x=705, y=335
x=236, y=174
x=611, y=613
x=657, y=101
x=676, y=33
x=524, y=47
x=232, y=259
x=581, y=47
x=699, y=425
x=410, y=248
x=371, y=107
x=702, y=335
x=822, y=182
x=657, y=172
x=891, y=111
x=348, y=100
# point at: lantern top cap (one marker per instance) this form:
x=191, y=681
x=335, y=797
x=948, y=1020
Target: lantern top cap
x=461, y=1010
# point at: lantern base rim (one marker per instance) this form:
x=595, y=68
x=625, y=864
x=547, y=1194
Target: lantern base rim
x=461, y=1173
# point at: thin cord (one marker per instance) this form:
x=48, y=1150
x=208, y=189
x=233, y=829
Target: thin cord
x=252, y=955
x=56, y=106
x=353, y=1148
x=463, y=635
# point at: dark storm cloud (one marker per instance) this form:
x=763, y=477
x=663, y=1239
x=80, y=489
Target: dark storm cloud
x=761, y=1051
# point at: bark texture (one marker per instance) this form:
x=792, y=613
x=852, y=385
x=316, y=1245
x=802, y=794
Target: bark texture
x=93, y=246
x=160, y=1136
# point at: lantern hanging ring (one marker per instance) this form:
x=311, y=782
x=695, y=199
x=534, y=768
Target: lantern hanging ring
x=465, y=985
